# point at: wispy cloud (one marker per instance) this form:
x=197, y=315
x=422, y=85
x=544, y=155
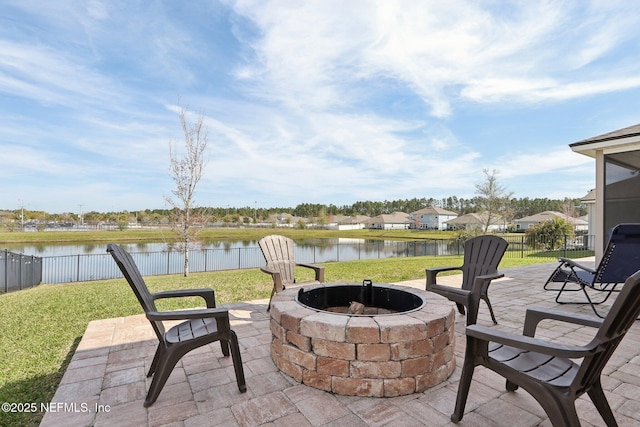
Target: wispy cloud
x=305, y=101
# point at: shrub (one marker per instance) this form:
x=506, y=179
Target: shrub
x=549, y=235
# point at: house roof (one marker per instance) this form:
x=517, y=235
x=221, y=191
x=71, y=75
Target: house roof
x=548, y=215
x=621, y=140
x=357, y=219
x=433, y=210
x=472, y=218
x=394, y=218
x=590, y=196
x=609, y=136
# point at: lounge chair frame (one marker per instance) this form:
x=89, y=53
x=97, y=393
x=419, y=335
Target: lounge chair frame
x=621, y=258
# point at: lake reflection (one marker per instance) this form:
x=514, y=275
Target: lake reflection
x=80, y=262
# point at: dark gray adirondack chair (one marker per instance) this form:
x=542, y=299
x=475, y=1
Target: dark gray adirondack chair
x=482, y=255
x=620, y=260
x=281, y=264
x=200, y=327
x=547, y=370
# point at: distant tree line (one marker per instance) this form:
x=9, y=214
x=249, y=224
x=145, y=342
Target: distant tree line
x=517, y=207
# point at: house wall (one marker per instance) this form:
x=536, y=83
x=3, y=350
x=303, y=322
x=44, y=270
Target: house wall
x=350, y=226
x=396, y=226
x=444, y=218
x=434, y=221
x=597, y=150
x=523, y=225
x=389, y=226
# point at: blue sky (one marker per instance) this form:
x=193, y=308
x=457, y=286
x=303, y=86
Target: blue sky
x=308, y=102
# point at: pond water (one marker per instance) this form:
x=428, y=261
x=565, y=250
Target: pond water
x=348, y=246
x=81, y=262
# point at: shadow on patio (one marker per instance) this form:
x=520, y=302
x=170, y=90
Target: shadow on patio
x=105, y=382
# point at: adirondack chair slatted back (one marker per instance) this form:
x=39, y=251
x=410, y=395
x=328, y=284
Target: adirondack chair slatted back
x=622, y=255
x=278, y=253
x=622, y=315
x=481, y=256
x=130, y=271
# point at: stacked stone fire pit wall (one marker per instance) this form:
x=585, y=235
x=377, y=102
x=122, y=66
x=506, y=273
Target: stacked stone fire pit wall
x=379, y=356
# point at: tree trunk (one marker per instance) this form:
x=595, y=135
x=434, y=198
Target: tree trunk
x=186, y=261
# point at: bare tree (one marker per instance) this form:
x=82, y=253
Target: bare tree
x=493, y=197
x=186, y=169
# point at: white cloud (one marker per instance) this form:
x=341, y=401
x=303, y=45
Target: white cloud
x=311, y=53
x=547, y=161
x=316, y=100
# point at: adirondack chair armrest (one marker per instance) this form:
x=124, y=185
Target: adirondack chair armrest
x=268, y=270
x=207, y=294
x=524, y=342
x=452, y=293
x=203, y=313
x=319, y=271
x=433, y=272
x=275, y=275
x=534, y=316
x=481, y=283
x=572, y=264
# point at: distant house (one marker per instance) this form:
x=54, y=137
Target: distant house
x=340, y=222
x=530, y=221
x=431, y=218
x=475, y=220
x=394, y=221
x=286, y=220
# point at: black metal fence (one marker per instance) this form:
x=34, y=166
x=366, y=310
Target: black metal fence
x=79, y=268
x=18, y=271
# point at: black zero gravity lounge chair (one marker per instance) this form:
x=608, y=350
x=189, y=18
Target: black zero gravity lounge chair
x=482, y=255
x=621, y=259
x=199, y=327
x=552, y=372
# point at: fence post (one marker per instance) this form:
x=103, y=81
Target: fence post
x=6, y=271
x=522, y=246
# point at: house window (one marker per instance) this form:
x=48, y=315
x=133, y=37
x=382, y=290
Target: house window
x=622, y=189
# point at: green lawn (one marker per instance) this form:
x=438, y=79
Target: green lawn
x=42, y=326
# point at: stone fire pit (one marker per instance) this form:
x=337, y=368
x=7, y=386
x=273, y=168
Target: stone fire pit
x=377, y=350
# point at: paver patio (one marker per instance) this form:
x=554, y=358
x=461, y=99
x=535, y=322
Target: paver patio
x=105, y=383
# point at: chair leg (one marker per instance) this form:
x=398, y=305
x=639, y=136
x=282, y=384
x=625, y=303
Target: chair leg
x=273, y=292
x=163, y=370
x=237, y=361
x=561, y=412
x=224, y=345
x=602, y=405
x=463, y=387
x=461, y=309
x=156, y=357
x=559, y=275
x=552, y=278
x=493, y=317
x=564, y=288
